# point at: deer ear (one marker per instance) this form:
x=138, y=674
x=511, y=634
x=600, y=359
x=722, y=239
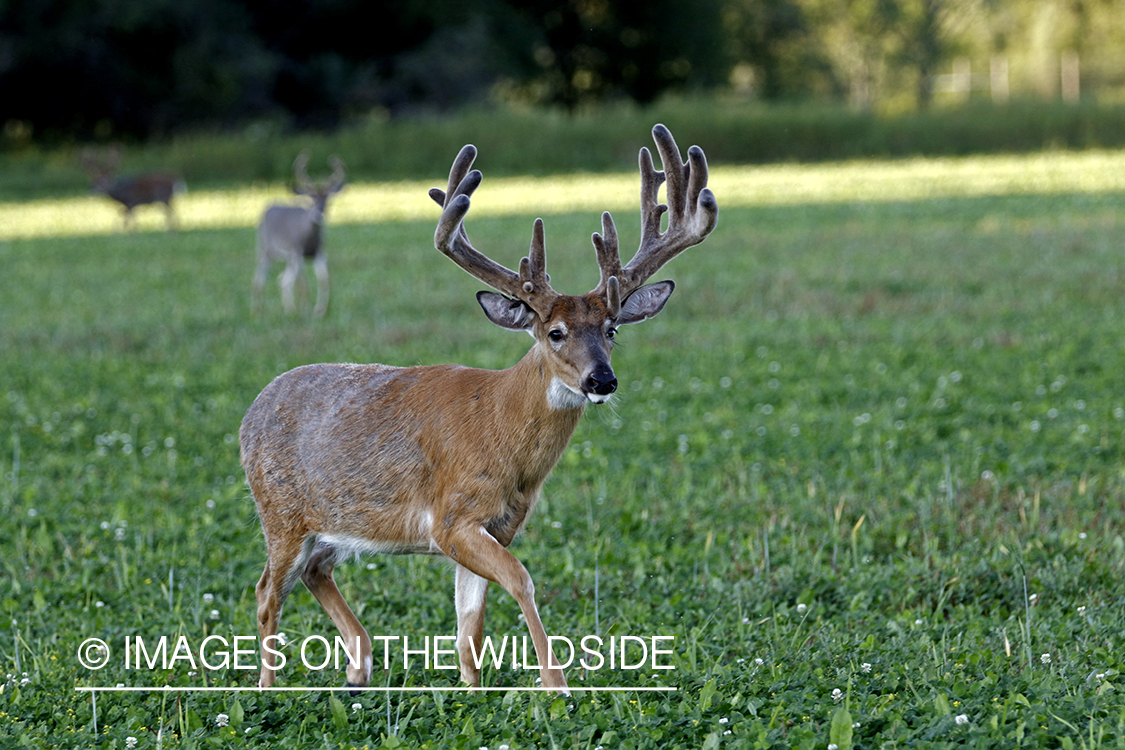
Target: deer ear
x=506, y=312
x=645, y=302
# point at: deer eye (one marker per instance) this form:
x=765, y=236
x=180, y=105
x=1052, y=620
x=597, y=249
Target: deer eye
x=610, y=332
x=556, y=335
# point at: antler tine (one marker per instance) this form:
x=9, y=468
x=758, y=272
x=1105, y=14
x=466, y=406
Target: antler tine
x=300, y=169
x=692, y=209
x=336, y=181
x=531, y=285
x=457, y=175
x=535, y=283
x=609, y=257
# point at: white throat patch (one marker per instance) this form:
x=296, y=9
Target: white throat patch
x=562, y=396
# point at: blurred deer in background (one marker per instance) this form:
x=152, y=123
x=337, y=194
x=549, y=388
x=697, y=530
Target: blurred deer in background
x=295, y=233
x=134, y=189
x=344, y=459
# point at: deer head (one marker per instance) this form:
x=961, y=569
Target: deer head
x=318, y=191
x=576, y=332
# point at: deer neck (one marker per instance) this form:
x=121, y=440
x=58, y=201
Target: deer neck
x=541, y=426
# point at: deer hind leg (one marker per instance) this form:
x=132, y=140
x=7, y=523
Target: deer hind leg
x=478, y=551
x=288, y=279
x=318, y=578
x=320, y=266
x=260, y=275
x=471, y=591
x=278, y=579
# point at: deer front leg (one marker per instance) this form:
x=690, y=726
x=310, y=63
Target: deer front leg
x=477, y=550
x=471, y=591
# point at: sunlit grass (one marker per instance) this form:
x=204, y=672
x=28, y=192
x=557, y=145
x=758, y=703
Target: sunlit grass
x=862, y=432
x=771, y=185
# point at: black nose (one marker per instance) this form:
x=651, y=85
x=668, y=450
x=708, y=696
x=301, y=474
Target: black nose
x=602, y=382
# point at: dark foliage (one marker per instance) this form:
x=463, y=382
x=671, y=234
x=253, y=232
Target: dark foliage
x=140, y=68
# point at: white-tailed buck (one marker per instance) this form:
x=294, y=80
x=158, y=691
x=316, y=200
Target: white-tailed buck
x=131, y=190
x=293, y=234
x=345, y=459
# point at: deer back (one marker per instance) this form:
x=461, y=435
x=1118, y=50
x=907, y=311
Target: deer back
x=292, y=229
x=138, y=190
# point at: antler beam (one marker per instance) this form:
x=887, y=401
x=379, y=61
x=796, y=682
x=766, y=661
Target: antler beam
x=531, y=285
x=691, y=208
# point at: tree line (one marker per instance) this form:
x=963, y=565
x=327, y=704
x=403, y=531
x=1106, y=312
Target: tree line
x=99, y=69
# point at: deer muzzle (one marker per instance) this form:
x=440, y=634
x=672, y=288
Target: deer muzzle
x=600, y=382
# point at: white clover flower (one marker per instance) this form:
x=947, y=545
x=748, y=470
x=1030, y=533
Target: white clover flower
x=502, y=747
x=1082, y=609
x=832, y=746
x=865, y=667
x=214, y=614
x=130, y=742
x=726, y=732
x=357, y=707
x=759, y=661
x=802, y=609
x=961, y=719
x=1045, y=658
x=724, y=720
x=222, y=720
x=1032, y=598
x=208, y=598
x=918, y=621
x=25, y=681
x=99, y=605
x=837, y=694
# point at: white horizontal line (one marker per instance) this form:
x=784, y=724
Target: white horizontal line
x=175, y=689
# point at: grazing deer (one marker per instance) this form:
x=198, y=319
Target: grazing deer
x=295, y=233
x=344, y=459
x=132, y=190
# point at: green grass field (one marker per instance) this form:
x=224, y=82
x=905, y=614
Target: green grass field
x=866, y=467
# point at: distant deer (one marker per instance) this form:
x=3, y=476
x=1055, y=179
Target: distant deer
x=344, y=459
x=131, y=190
x=295, y=233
